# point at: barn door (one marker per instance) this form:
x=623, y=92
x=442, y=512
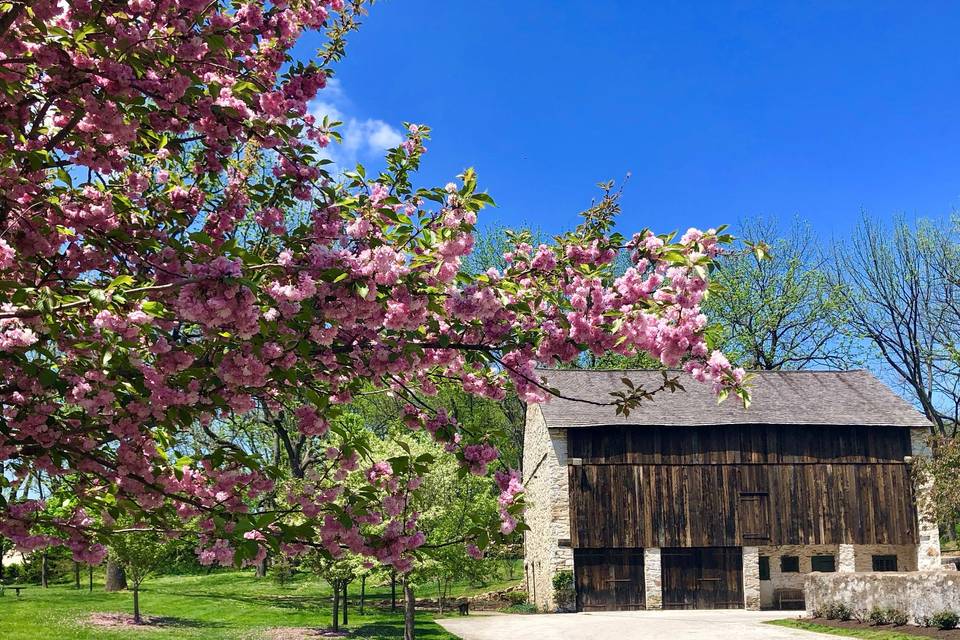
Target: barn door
x=609, y=579
x=702, y=578
x=679, y=578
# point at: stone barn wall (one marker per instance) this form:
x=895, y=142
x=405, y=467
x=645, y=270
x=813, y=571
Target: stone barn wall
x=548, y=507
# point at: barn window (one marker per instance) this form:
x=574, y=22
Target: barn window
x=824, y=564
x=764, y=568
x=885, y=563
x=789, y=564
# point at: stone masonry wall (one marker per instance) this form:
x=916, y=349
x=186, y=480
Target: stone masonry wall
x=846, y=558
x=548, y=509
x=919, y=594
x=928, y=551
x=751, y=578
x=652, y=579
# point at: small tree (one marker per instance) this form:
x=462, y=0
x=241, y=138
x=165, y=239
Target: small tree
x=942, y=472
x=338, y=572
x=139, y=551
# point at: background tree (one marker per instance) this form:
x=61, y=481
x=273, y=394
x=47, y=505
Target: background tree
x=115, y=578
x=140, y=551
x=493, y=245
x=780, y=309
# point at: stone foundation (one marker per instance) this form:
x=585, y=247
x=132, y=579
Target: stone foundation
x=548, y=511
x=918, y=594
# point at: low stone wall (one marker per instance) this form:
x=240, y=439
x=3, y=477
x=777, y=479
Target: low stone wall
x=920, y=593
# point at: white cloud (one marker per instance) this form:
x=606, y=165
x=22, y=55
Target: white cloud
x=364, y=140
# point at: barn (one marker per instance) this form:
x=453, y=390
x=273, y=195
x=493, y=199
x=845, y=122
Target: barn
x=687, y=504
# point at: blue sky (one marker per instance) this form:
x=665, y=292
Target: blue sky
x=719, y=109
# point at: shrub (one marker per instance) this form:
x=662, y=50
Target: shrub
x=836, y=611
x=945, y=620
x=861, y=615
x=888, y=615
x=878, y=615
x=897, y=617
x=516, y=597
x=563, y=591
x=522, y=608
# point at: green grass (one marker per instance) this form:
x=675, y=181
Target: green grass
x=867, y=634
x=218, y=606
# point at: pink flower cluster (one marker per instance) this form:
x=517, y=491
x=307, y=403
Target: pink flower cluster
x=478, y=456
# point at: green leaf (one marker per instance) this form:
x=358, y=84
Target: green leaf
x=152, y=307
x=98, y=296
x=120, y=281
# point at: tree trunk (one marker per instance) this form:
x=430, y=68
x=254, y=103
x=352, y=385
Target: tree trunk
x=262, y=567
x=363, y=591
x=44, y=570
x=90, y=573
x=136, y=604
x=393, y=591
x=439, y=596
x=345, y=620
x=76, y=575
x=409, y=611
x=3, y=549
x=336, y=605
x=116, y=579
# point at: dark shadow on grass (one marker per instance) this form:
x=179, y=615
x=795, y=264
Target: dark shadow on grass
x=173, y=621
x=299, y=603
x=394, y=629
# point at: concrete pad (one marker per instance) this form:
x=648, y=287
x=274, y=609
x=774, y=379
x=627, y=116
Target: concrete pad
x=626, y=625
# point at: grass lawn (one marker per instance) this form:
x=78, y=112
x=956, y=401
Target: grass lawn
x=866, y=634
x=219, y=606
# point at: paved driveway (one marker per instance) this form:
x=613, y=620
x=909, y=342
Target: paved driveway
x=626, y=625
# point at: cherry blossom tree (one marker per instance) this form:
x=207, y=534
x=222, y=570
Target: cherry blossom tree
x=174, y=251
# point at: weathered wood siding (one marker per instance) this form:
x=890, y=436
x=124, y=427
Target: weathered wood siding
x=731, y=486
x=771, y=444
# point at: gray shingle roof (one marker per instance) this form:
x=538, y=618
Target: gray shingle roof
x=778, y=397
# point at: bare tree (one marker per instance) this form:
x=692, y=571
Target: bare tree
x=902, y=299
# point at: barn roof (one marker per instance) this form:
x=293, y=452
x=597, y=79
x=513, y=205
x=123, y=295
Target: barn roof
x=837, y=398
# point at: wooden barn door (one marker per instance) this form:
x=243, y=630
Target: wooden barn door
x=608, y=579
x=702, y=578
